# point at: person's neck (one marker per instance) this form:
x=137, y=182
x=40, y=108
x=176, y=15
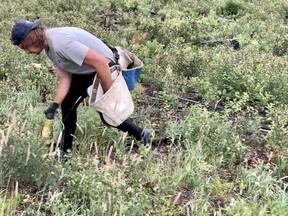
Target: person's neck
x=46, y=45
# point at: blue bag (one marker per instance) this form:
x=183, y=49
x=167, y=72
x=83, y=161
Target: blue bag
x=131, y=77
x=131, y=67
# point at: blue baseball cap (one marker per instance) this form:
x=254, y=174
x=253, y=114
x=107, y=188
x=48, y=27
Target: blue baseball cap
x=21, y=29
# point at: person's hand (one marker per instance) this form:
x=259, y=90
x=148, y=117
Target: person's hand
x=50, y=112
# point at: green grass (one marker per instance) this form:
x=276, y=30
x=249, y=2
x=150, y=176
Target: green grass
x=230, y=161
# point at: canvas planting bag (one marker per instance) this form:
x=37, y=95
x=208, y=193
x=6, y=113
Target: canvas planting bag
x=116, y=104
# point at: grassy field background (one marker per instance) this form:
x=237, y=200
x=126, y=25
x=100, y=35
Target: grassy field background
x=223, y=109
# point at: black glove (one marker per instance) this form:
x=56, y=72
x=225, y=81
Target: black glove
x=50, y=112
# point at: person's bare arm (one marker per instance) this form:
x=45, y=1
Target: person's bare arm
x=99, y=63
x=63, y=85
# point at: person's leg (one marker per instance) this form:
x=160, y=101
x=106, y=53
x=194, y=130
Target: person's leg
x=127, y=126
x=76, y=94
x=131, y=128
x=69, y=118
x=145, y=135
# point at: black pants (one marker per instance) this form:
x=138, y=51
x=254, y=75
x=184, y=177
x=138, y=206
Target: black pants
x=76, y=94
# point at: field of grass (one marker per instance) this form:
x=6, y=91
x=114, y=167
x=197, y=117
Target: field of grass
x=224, y=109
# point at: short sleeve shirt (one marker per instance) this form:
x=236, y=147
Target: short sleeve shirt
x=68, y=47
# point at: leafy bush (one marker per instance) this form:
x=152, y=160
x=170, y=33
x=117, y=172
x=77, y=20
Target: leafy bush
x=231, y=8
x=281, y=47
x=216, y=138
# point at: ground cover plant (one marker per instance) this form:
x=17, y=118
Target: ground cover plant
x=214, y=87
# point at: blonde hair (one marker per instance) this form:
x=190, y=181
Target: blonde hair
x=34, y=38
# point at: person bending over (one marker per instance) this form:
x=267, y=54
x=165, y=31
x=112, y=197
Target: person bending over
x=77, y=56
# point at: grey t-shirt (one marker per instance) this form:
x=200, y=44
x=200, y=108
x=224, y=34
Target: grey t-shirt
x=68, y=47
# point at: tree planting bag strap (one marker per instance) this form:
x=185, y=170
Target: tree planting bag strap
x=116, y=104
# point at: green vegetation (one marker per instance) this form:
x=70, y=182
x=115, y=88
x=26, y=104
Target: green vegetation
x=225, y=112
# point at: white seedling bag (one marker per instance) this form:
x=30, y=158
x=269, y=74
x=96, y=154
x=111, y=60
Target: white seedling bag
x=116, y=104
